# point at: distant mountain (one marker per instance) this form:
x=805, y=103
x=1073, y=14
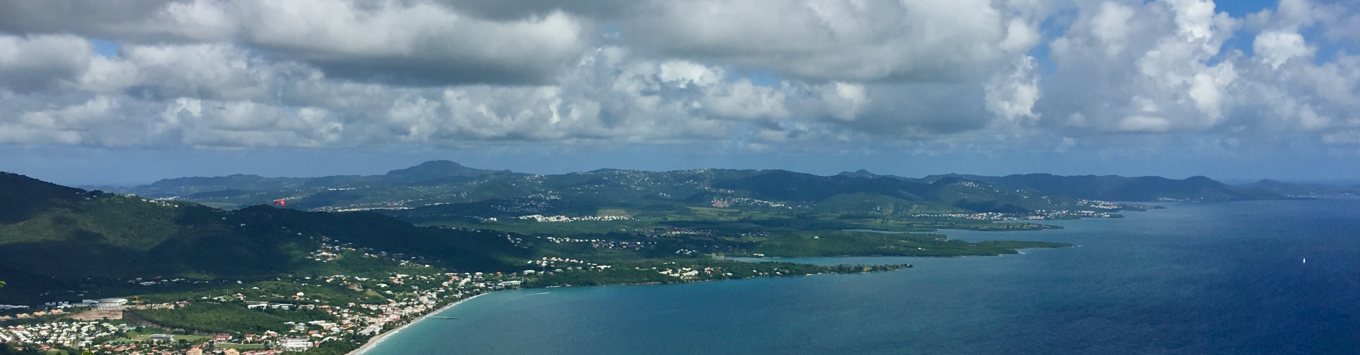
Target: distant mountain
x=59, y=238
x=439, y=189
x=1119, y=188
x=959, y=193
x=436, y=170
x=1302, y=189
x=861, y=173
x=234, y=191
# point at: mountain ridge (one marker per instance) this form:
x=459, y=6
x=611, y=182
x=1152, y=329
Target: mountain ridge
x=445, y=182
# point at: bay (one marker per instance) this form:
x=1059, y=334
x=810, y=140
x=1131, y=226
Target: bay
x=1190, y=279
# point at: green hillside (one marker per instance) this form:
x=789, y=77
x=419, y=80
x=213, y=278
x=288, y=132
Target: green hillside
x=58, y=239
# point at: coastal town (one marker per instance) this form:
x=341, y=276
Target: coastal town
x=119, y=328
x=1086, y=209
x=127, y=326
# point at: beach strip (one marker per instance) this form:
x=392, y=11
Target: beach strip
x=373, y=342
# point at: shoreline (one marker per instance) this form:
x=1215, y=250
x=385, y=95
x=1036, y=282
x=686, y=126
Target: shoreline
x=378, y=339
x=373, y=342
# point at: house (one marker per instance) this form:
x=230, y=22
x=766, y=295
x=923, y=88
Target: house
x=230, y=351
x=194, y=351
x=162, y=337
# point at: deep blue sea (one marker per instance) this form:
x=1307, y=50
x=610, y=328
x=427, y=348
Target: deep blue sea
x=1212, y=278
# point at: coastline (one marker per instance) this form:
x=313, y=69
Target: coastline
x=373, y=342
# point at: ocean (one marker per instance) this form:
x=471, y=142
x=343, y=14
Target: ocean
x=1194, y=278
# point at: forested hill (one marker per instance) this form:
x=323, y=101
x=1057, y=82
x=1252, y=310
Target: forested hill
x=1119, y=188
x=479, y=192
x=431, y=172
x=56, y=238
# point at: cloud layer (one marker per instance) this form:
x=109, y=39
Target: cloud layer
x=760, y=74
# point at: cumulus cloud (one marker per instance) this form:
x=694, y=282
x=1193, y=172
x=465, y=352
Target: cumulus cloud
x=1159, y=68
x=41, y=62
x=1275, y=47
x=399, y=41
x=831, y=40
x=761, y=74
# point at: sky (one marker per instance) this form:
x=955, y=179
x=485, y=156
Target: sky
x=118, y=93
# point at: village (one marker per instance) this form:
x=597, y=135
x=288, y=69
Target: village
x=115, y=334
x=561, y=218
x=1036, y=215
x=113, y=325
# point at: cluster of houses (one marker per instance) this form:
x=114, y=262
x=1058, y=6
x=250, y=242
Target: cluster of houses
x=1036, y=215
x=561, y=218
x=75, y=334
x=32, y=315
x=745, y=201
x=551, y=262
x=602, y=243
x=349, y=319
x=1102, y=205
x=108, y=307
x=100, y=337
x=414, y=295
x=684, y=273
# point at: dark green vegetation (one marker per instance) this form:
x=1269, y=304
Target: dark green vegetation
x=64, y=243
x=1119, y=188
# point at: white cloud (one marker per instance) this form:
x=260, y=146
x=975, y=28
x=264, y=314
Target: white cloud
x=844, y=100
x=404, y=41
x=684, y=73
x=1012, y=95
x=42, y=62
x=321, y=73
x=1111, y=26
x=1144, y=124
x=1276, y=48
x=827, y=40
x=1020, y=37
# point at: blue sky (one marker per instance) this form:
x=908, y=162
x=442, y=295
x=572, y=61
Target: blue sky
x=1236, y=90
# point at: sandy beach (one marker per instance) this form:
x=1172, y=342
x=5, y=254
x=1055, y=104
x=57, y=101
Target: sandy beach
x=381, y=337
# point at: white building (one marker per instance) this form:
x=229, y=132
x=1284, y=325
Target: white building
x=111, y=304
x=295, y=344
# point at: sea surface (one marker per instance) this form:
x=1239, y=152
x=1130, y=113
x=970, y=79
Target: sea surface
x=1195, y=278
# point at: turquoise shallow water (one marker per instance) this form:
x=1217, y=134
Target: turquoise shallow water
x=1226, y=278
